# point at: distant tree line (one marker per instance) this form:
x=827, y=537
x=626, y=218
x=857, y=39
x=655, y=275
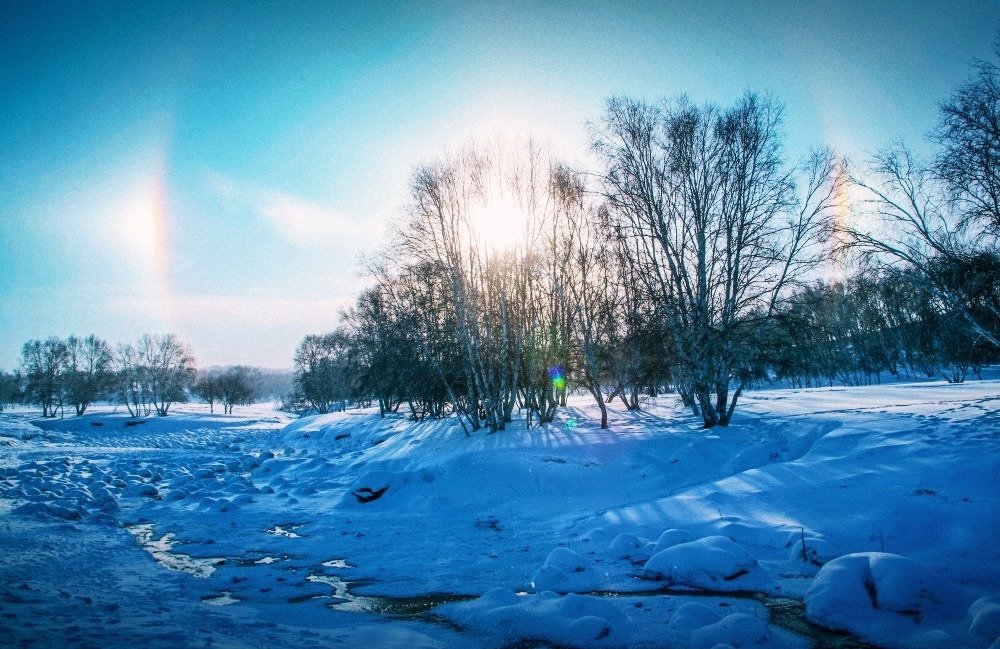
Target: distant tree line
x=148, y=376
x=687, y=262
x=230, y=386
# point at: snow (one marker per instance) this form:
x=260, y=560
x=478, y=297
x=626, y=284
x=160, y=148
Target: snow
x=885, y=598
x=585, y=621
x=711, y=563
x=876, y=507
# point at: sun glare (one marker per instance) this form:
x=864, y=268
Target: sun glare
x=498, y=225
x=142, y=226
x=141, y=229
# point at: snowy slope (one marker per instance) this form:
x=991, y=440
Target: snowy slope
x=878, y=508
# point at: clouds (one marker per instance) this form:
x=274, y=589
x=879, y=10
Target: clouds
x=258, y=329
x=295, y=219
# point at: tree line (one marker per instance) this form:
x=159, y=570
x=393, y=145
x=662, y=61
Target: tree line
x=147, y=377
x=689, y=261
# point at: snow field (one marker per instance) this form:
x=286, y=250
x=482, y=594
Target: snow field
x=650, y=534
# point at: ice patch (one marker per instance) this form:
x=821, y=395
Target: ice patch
x=161, y=550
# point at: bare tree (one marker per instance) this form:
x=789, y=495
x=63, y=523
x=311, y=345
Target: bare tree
x=586, y=287
x=720, y=237
x=238, y=386
x=907, y=219
x=969, y=135
x=487, y=287
x=87, y=372
x=940, y=220
x=170, y=370
x=132, y=379
x=207, y=387
x=325, y=369
x=10, y=389
x=44, y=363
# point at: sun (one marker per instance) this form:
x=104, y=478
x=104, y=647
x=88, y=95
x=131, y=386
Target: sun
x=498, y=224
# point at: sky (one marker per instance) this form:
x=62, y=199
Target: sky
x=219, y=170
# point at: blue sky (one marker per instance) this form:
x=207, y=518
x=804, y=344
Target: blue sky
x=218, y=169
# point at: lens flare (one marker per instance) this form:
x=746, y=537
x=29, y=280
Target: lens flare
x=558, y=377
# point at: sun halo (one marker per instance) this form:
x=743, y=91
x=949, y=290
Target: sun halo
x=498, y=225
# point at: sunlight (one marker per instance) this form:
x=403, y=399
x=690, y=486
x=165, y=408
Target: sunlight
x=141, y=225
x=498, y=225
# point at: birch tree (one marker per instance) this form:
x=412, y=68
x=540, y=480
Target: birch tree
x=708, y=202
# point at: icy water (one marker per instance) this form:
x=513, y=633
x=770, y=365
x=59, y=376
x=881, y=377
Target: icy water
x=789, y=614
x=786, y=613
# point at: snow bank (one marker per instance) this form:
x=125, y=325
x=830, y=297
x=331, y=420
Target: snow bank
x=984, y=615
x=572, y=620
x=885, y=598
x=587, y=621
x=574, y=509
x=736, y=630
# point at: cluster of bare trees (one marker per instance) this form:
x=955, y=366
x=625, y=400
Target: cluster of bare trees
x=708, y=213
x=326, y=373
x=237, y=385
x=937, y=221
x=660, y=272
x=148, y=376
x=75, y=371
x=690, y=262
x=153, y=374
x=883, y=324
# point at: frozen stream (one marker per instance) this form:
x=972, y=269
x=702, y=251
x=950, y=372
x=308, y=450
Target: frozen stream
x=786, y=613
x=200, y=530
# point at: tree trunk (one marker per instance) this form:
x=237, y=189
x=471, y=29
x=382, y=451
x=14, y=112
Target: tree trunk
x=633, y=402
x=708, y=414
x=599, y=397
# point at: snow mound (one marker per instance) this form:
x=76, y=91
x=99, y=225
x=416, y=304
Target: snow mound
x=985, y=618
x=630, y=547
x=564, y=571
x=583, y=621
x=693, y=615
x=736, y=630
x=713, y=562
x=812, y=550
x=670, y=538
x=884, y=598
x=571, y=620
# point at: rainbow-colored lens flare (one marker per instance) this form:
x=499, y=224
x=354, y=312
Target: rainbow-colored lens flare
x=558, y=377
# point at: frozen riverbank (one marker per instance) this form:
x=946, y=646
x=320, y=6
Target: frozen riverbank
x=250, y=530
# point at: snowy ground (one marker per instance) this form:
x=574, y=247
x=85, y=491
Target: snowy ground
x=200, y=530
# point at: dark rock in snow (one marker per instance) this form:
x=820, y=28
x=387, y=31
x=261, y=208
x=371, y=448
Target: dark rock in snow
x=367, y=494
